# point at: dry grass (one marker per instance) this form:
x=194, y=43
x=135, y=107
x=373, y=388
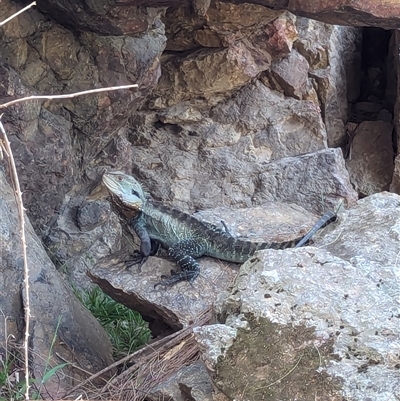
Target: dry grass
x=149, y=367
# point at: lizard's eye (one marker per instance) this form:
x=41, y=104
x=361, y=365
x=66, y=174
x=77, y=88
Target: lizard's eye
x=119, y=178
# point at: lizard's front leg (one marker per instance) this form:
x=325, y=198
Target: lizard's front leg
x=147, y=246
x=183, y=253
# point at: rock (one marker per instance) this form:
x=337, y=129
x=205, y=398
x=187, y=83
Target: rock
x=365, y=111
x=41, y=142
x=258, y=109
x=223, y=25
x=188, y=383
x=292, y=74
x=330, y=315
x=385, y=115
x=218, y=160
x=55, y=142
x=201, y=7
x=369, y=229
x=102, y=16
x=395, y=184
x=270, y=221
x=214, y=341
x=334, y=57
x=85, y=232
x=92, y=214
x=180, y=305
x=370, y=162
x=176, y=307
x=323, y=173
x=55, y=311
x=357, y=13
x=246, y=49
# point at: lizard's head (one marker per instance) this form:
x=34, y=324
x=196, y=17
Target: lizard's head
x=125, y=189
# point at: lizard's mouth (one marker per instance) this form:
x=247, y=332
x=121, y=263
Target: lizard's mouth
x=110, y=183
x=136, y=205
x=119, y=195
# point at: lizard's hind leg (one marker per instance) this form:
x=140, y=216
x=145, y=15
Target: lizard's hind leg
x=184, y=254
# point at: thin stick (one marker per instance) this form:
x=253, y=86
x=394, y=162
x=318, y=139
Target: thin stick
x=17, y=13
x=6, y=144
x=66, y=96
x=285, y=375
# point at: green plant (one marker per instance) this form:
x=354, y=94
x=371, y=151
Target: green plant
x=126, y=328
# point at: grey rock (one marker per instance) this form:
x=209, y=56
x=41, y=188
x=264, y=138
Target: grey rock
x=84, y=232
x=302, y=123
x=317, y=321
x=176, y=307
x=188, y=383
x=219, y=160
x=42, y=146
x=201, y=7
x=395, y=184
x=366, y=234
x=361, y=13
x=92, y=214
x=323, y=173
x=292, y=74
x=270, y=221
x=370, y=162
x=55, y=311
x=334, y=57
x=214, y=341
x=55, y=142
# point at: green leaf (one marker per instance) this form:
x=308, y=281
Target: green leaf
x=53, y=371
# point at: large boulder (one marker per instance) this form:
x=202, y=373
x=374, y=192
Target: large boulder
x=315, y=323
x=56, y=314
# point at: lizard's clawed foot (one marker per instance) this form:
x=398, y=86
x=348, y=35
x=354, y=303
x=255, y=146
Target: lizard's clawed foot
x=176, y=277
x=136, y=259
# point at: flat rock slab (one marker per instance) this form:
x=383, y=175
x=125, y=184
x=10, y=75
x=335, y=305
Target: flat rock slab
x=271, y=221
x=384, y=14
x=368, y=235
x=177, y=306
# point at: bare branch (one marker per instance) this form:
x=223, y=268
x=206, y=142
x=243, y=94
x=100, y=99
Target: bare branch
x=17, y=13
x=68, y=95
x=5, y=144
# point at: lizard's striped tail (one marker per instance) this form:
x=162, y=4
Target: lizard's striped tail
x=326, y=219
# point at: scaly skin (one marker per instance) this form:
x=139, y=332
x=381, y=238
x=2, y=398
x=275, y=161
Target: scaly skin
x=185, y=237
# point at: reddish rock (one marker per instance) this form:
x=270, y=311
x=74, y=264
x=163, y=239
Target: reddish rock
x=385, y=14
x=292, y=74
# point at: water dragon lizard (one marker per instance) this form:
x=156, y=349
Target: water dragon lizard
x=185, y=237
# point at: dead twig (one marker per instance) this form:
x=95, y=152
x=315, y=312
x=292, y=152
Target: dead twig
x=66, y=96
x=5, y=144
x=17, y=13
